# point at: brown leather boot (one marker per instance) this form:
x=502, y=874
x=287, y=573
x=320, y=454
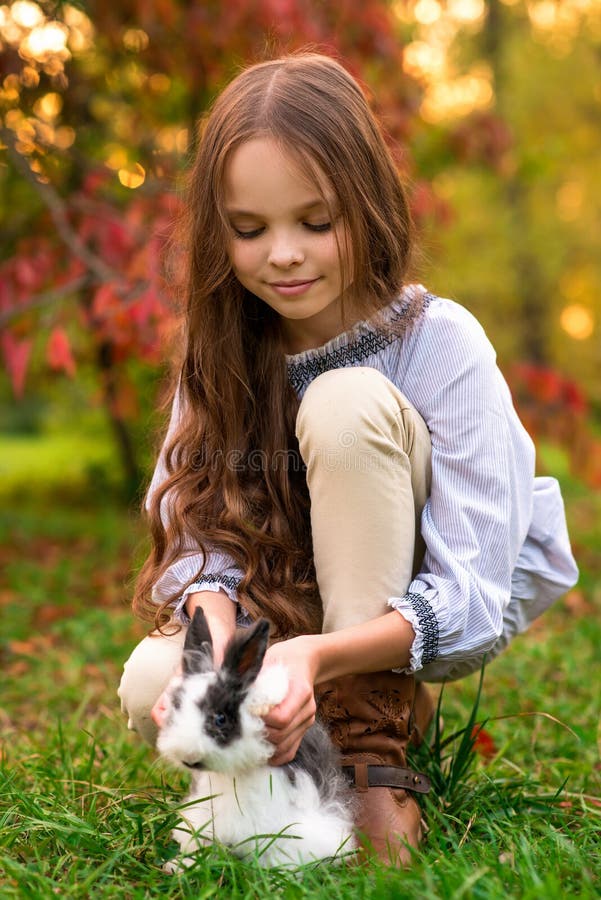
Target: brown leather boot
x=371, y=719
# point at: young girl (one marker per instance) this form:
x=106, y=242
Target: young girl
x=343, y=456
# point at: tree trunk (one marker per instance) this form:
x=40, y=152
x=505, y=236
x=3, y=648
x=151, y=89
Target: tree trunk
x=532, y=291
x=129, y=465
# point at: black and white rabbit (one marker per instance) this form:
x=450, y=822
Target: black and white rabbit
x=285, y=815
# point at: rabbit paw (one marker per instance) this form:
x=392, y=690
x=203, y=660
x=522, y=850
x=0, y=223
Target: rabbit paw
x=178, y=864
x=269, y=689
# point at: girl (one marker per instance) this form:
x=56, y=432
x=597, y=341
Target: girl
x=343, y=455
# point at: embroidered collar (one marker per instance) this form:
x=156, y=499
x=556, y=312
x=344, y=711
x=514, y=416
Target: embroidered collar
x=351, y=347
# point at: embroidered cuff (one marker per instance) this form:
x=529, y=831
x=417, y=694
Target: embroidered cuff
x=207, y=582
x=420, y=615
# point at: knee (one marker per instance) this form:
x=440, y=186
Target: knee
x=342, y=408
x=145, y=676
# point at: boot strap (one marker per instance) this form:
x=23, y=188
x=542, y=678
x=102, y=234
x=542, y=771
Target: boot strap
x=390, y=777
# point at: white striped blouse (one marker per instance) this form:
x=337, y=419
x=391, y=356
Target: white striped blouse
x=497, y=547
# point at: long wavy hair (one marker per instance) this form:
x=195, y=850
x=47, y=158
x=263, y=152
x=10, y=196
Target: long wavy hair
x=234, y=395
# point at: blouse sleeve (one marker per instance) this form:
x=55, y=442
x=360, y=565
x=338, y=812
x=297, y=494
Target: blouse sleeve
x=189, y=573
x=478, y=513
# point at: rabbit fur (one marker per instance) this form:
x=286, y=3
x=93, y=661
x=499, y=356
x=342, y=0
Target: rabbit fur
x=284, y=815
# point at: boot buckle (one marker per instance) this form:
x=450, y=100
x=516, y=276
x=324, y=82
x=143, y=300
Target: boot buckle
x=388, y=776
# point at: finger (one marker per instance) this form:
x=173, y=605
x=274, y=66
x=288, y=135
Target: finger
x=285, y=746
x=286, y=749
x=299, y=724
x=159, y=711
x=286, y=753
x=290, y=712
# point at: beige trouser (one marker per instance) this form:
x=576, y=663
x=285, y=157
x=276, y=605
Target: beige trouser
x=367, y=452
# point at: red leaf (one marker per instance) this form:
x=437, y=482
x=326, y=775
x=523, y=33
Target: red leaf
x=483, y=742
x=105, y=301
x=6, y=295
x=58, y=352
x=16, y=358
x=27, y=273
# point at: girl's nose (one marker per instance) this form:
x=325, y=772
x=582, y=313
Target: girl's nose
x=285, y=252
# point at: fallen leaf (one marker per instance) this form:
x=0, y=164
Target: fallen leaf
x=483, y=742
x=577, y=604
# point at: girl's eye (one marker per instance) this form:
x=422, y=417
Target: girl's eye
x=220, y=719
x=326, y=226
x=248, y=235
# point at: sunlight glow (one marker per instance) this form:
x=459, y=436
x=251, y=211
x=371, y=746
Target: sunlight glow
x=9, y=30
x=569, y=200
x=10, y=88
x=133, y=177
x=159, y=83
x=450, y=99
x=49, y=106
x=81, y=30
x=37, y=168
x=427, y=12
x=466, y=10
x=30, y=77
x=135, y=40
x=543, y=14
x=577, y=321
x=117, y=157
x=423, y=60
x=45, y=41
x=182, y=141
x=26, y=14
x=64, y=137
x=448, y=93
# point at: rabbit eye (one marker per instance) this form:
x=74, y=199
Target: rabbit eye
x=220, y=719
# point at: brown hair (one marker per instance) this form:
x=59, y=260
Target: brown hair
x=235, y=397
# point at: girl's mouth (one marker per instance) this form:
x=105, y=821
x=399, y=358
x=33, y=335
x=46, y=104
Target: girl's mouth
x=292, y=288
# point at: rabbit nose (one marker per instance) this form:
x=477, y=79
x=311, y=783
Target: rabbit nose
x=199, y=766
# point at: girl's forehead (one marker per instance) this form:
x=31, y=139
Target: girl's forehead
x=261, y=171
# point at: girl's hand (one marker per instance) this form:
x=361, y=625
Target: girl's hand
x=159, y=710
x=289, y=720
x=221, y=616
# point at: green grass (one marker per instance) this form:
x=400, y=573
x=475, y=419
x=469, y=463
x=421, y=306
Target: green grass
x=61, y=458
x=86, y=811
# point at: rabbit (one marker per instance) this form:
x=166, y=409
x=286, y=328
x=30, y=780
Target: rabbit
x=283, y=815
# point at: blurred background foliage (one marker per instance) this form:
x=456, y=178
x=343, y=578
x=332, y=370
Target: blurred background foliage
x=493, y=110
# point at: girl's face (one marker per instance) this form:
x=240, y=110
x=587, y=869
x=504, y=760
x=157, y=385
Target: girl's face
x=284, y=244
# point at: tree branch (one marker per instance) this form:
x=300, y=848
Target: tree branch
x=57, y=209
x=44, y=299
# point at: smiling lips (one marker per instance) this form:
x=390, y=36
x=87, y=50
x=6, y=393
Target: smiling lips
x=292, y=288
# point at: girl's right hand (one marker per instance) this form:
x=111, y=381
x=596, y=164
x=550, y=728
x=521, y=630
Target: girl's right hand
x=289, y=720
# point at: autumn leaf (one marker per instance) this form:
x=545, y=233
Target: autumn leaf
x=16, y=355
x=58, y=352
x=483, y=742
x=577, y=604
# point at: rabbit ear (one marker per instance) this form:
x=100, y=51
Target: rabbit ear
x=245, y=653
x=198, y=645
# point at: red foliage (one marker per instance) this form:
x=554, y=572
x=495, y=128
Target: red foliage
x=483, y=137
x=132, y=313
x=548, y=387
x=16, y=355
x=554, y=408
x=125, y=305
x=483, y=742
x=427, y=205
x=58, y=352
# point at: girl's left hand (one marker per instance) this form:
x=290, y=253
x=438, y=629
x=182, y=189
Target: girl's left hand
x=289, y=720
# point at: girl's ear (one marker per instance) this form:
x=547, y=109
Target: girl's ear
x=198, y=645
x=245, y=653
